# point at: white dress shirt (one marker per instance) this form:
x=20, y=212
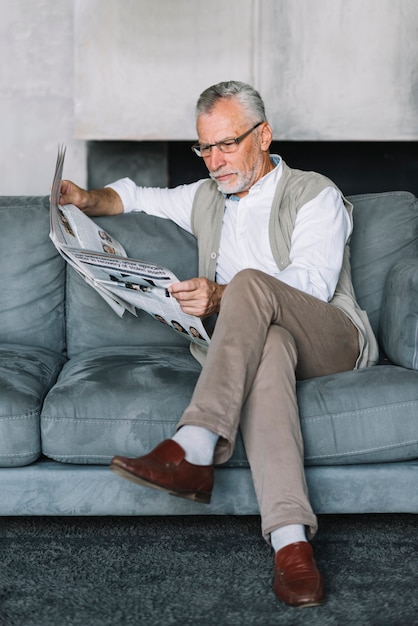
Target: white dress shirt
x=321, y=230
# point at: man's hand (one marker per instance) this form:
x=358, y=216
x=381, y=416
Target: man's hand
x=95, y=202
x=198, y=296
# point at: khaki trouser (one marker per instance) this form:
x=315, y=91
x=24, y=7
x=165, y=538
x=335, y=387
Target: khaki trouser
x=267, y=335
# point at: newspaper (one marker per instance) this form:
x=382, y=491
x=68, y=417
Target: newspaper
x=125, y=284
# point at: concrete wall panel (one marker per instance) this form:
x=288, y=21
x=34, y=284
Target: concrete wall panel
x=327, y=69
x=141, y=65
x=36, y=95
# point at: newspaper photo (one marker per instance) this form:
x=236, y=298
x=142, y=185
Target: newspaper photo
x=125, y=284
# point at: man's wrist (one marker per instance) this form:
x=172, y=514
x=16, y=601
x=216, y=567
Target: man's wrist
x=104, y=201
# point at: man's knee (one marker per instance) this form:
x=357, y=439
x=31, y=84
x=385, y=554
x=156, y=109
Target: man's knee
x=245, y=283
x=247, y=276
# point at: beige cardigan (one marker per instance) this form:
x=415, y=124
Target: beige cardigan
x=295, y=188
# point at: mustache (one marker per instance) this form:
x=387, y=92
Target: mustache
x=219, y=172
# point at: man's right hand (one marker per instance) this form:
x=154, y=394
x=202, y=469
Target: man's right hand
x=94, y=202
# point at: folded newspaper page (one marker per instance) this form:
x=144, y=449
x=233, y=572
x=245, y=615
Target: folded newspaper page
x=125, y=284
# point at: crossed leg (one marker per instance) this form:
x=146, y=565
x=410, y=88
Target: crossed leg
x=267, y=334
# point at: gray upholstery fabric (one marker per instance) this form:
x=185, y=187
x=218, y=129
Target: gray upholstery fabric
x=51, y=488
x=128, y=380
x=92, y=324
x=32, y=316
x=86, y=420
x=362, y=416
x=116, y=401
x=399, y=315
x=385, y=231
x=32, y=277
x=26, y=374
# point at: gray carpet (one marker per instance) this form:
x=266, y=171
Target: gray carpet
x=209, y=571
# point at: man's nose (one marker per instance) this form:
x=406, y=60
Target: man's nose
x=215, y=160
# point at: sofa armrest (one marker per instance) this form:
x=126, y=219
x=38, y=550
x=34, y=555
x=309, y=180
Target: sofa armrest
x=398, y=331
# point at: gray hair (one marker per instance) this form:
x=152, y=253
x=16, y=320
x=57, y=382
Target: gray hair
x=248, y=97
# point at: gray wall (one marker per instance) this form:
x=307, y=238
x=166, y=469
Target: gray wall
x=327, y=69
x=37, y=95
x=74, y=70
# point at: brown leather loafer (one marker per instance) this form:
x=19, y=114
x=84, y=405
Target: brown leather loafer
x=166, y=468
x=297, y=581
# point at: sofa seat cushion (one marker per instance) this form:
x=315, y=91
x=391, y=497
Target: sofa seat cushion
x=360, y=416
x=26, y=374
x=125, y=401
x=116, y=401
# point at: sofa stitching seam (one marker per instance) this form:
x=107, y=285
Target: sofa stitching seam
x=360, y=411
x=366, y=451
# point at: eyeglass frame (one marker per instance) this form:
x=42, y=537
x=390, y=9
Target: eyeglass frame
x=218, y=144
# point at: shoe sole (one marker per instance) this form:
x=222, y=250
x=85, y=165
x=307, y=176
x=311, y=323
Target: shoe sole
x=306, y=605
x=196, y=496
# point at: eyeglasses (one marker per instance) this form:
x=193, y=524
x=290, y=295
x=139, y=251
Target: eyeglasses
x=227, y=145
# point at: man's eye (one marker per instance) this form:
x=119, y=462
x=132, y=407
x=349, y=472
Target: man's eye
x=228, y=143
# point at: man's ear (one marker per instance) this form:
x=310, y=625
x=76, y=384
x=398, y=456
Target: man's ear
x=266, y=135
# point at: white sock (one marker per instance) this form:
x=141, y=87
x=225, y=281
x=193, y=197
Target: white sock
x=285, y=535
x=198, y=443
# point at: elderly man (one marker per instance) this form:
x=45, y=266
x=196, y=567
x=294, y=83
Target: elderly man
x=274, y=269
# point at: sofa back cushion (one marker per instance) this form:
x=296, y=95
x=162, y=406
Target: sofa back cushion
x=32, y=277
x=385, y=231
x=91, y=323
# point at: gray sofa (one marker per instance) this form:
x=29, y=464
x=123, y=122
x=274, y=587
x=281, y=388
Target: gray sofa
x=78, y=384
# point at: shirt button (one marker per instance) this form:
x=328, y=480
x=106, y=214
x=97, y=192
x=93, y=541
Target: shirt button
x=213, y=255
